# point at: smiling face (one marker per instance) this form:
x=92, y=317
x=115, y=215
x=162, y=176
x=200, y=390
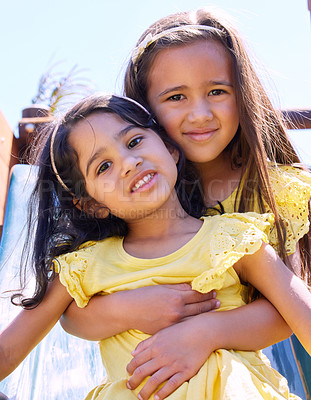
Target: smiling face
x=191, y=90
x=126, y=168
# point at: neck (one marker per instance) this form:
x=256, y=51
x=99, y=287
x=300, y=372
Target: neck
x=158, y=223
x=219, y=179
x=162, y=232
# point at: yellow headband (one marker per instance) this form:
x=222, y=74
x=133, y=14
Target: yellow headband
x=53, y=162
x=149, y=39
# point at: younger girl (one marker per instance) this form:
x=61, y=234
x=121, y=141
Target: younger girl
x=192, y=72
x=111, y=177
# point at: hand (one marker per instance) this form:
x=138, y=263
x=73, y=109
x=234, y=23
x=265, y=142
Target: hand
x=148, y=309
x=174, y=355
x=158, y=307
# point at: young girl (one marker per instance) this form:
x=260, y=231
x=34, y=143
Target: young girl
x=192, y=71
x=110, y=176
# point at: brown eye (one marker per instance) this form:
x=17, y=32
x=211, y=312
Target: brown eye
x=104, y=166
x=176, y=97
x=134, y=142
x=216, y=92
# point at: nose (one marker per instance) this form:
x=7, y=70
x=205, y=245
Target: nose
x=200, y=112
x=130, y=163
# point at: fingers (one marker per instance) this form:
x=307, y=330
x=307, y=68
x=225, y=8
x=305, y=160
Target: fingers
x=172, y=380
x=202, y=307
x=139, y=359
x=158, y=378
x=147, y=369
x=170, y=386
x=179, y=286
x=198, y=303
x=193, y=296
x=142, y=346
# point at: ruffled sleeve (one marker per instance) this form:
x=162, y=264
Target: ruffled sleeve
x=72, y=267
x=292, y=190
x=232, y=236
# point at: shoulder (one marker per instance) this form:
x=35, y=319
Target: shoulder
x=229, y=238
x=291, y=186
x=85, y=254
x=237, y=230
x=290, y=178
x=74, y=268
x=260, y=221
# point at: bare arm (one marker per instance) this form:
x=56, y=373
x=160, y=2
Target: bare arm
x=148, y=309
x=30, y=327
x=250, y=327
x=153, y=308
x=295, y=261
x=286, y=291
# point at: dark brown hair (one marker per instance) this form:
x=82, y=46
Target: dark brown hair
x=261, y=136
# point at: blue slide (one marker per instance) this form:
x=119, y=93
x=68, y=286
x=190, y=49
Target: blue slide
x=63, y=367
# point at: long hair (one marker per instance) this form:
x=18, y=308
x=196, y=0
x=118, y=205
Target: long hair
x=59, y=226
x=261, y=136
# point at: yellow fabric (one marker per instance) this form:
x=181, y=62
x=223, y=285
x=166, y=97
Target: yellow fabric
x=207, y=261
x=292, y=190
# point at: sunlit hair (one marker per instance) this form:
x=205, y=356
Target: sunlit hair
x=55, y=223
x=261, y=136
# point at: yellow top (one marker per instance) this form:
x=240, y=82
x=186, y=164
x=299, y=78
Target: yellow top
x=207, y=261
x=292, y=190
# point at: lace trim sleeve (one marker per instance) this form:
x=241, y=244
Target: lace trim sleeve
x=71, y=268
x=234, y=236
x=292, y=190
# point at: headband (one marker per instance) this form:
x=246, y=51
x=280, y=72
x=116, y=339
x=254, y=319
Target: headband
x=149, y=39
x=63, y=184
x=53, y=161
x=134, y=102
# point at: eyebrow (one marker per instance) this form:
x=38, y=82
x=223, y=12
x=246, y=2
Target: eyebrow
x=183, y=87
x=102, y=149
x=172, y=89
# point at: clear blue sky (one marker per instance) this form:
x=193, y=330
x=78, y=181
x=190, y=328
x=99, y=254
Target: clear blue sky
x=98, y=35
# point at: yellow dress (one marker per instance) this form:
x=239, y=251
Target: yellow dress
x=292, y=190
x=207, y=261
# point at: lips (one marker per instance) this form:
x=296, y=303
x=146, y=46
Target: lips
x=200, y=135
x=143, y=181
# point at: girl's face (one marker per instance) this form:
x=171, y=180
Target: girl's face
x=191, y=90
x=126, y=168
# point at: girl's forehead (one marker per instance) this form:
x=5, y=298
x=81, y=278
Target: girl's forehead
x=99, y=116
x=94, y=127
x=199, y=45
x=206, y=49
x=96, y=134
x=206, y=59
x=100, y=122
